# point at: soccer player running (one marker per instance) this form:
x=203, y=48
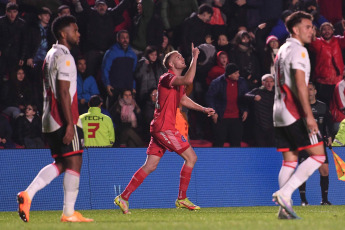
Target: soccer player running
x=164, y=135
x=295, y=126
x=60, y=122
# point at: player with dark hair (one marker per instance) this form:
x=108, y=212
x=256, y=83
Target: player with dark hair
x=60, y=123
x=164, y=135
x=295, y=126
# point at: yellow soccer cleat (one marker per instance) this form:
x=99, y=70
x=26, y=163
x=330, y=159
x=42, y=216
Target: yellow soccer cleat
x=186, y=203
x=76, y=217
x=24, y=204
x=123, y=204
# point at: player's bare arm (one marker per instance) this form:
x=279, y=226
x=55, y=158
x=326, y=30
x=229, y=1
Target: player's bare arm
x=190, y=104
x=302, y=91
x=188, y=78
x=65, y=100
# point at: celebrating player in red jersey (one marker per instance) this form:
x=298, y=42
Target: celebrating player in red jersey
x=164, y=135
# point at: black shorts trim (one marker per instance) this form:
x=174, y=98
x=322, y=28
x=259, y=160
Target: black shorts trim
x=295, y=137
x=59, y=149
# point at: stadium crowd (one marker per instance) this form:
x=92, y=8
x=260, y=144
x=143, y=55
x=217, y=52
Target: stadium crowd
x=123, y=43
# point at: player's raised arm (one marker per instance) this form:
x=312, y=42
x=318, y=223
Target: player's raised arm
x=188, y=78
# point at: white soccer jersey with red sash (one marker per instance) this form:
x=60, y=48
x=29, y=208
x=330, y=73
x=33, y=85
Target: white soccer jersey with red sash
x=58, y=65
x=291, y=56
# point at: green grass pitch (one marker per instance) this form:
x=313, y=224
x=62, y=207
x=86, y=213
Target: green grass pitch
x=246, y=218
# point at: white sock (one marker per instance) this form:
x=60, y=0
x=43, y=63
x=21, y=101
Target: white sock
x=71, y=189
x=287, y=169
x=303, y=172
x=43, y=178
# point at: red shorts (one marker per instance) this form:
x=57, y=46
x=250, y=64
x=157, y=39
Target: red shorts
x=171, y=140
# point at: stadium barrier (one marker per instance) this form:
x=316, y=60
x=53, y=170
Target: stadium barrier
x=223, y=177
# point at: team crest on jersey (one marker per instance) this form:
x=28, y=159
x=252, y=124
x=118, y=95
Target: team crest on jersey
x=303, y=55
x=183, y=139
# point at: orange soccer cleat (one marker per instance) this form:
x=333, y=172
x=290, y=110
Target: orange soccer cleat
x=24, y=204
x=76, y=217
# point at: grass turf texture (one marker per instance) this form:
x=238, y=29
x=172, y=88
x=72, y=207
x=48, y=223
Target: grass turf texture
x=313, y=217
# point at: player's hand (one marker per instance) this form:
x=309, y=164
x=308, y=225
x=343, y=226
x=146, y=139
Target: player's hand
x=109, y=90
x=257, y=98
x=329, y=141
x=209, y=111
x=244, y=115
x=312, y=126
x=195, y=51
x=67, y=139
x=215, y=118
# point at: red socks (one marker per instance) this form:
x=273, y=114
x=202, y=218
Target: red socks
x=185, y=175
x=138, y=178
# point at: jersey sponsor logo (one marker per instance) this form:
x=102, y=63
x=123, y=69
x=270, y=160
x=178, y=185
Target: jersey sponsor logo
x=64, y=74
x=68, y=63
x=165, y=137
x=93, y=118
x=303, y=55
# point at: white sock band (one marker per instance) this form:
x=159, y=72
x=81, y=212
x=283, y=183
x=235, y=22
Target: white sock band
x=71, y=189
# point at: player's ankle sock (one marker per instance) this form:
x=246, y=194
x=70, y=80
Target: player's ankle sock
x=302, y=173
x=43, y=178
x=138, y=178
x=185, y=175
x=71, y=189
x=302, y=192
x=287, y=169
x=324, y=183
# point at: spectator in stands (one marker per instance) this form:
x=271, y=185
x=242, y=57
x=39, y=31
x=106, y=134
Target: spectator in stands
x=166, y=47
x=219, y=69
x=225, y=95
x=218, y=19
x=268, y=54
x=141, y=21
x=245, y=57
x=337, y=105
x=13, y=41
x=40, y=40
x=98, y=128
x=329, y=61
x=173, y=15
x=86, y=86
x=279, y=30
x=64, y=10
x=263, y=99
x=5, y=133
x=118, y=67
x=127, y=114
x=196, y=29
x=147, y=73
x=311, y=7
x=100, y=23
x=223, y=44
x=148, y=111
x=16, y=94
x=29, y=129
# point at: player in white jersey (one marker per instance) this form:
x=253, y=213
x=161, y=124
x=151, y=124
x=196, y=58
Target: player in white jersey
x=295, y=126
x=60, y=123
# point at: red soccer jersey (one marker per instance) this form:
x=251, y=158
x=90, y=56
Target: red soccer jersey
x=169, y=97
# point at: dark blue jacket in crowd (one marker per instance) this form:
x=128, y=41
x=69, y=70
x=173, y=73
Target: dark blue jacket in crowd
x=86, y=87
x=216, y=95
x=118, y=67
